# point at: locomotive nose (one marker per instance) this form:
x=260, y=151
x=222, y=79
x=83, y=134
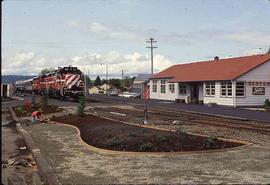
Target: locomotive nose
x=74, y=88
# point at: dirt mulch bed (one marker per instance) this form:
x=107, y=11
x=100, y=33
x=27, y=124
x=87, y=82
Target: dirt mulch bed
x=107, y=134
x=27, y=109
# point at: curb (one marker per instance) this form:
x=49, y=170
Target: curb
x=17, y=98
x=108, y=151
x=44, y=168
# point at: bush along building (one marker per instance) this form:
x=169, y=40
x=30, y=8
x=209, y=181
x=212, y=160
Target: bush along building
x=241, y=81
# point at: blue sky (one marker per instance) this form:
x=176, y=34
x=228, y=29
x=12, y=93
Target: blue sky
x=86, y=33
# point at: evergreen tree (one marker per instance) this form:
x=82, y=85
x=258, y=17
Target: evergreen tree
x=115, y=82
x=97, y=81
x=44, y=71
x=88, y=81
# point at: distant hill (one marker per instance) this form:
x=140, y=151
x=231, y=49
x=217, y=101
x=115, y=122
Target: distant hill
x=14, y=78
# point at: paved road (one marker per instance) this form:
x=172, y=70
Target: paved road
x=216, y=110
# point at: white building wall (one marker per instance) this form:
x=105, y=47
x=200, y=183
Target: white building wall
x=163, y=96
x=168, y=95
x=217, y=98
x=261, y=73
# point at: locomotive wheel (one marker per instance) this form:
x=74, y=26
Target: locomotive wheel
x=63, y=98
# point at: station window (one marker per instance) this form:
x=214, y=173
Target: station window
x=182, y=89
x=226, y=89
x=163, y=86
x=240, y=89
x=210, y=89
x=171, y=87
x=154, y=85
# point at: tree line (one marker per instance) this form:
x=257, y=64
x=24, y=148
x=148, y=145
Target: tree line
x=116, y=82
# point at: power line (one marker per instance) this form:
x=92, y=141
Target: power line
x=151, y=41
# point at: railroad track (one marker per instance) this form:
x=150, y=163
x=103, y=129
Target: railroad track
x=192, y=118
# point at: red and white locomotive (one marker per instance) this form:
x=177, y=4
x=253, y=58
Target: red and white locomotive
x=63, y=82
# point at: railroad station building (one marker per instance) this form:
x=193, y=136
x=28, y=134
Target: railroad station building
x=241, y=81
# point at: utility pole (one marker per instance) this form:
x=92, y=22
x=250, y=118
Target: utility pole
x=107, y=79
x=151, y=41
x=122, y=84
x=85, y=84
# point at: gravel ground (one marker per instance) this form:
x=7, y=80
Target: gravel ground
x=11, y=142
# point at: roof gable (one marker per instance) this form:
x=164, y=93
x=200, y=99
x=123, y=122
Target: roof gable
x=214, y=70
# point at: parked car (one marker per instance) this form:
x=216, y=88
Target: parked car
x=129, y=95
x=113, y=93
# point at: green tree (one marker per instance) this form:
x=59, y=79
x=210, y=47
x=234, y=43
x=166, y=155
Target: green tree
x=88, y=80
x=44, y=100
x=97, y=81
x=128, y=81
x=81, y=106
x=103, y=81
x=44, y=71
x=115, y=82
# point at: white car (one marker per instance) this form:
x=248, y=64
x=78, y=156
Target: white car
x=128, y=95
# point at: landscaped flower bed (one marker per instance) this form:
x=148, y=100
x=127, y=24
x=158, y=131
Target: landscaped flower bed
x=107, y=134
x=28, y=108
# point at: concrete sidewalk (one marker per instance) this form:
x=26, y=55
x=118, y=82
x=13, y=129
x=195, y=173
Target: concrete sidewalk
x=74, y=163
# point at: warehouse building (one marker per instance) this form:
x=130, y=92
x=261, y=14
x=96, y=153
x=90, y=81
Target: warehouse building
x=241, y=81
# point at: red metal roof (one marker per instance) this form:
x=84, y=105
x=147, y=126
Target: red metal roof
x=214, y=70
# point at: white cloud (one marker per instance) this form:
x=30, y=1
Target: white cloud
x=29, y=63
x=131, y=63
x=115, y=32
x=254, y=51
x=72, y=23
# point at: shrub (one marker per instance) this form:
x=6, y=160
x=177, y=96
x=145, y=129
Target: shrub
x=210, y=142
x=180, y=131
x=27, y=105
x=144, y=130
x=146, y=147
x=200, y=102
x=20, y=109
x=44, y=100
x=161, y=138
x=112, y=142
x=81, y=106
x=267, y=103
x=132, y=134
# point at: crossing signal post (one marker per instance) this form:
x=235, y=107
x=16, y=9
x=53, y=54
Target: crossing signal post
x=146, y=97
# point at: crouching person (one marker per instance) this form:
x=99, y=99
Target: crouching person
x=37, y=117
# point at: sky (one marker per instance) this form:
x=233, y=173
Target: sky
x=91, y=34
